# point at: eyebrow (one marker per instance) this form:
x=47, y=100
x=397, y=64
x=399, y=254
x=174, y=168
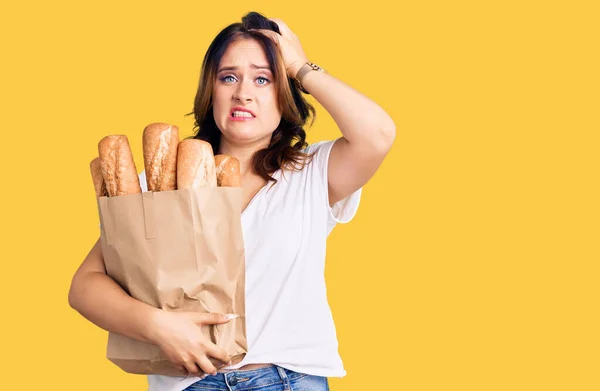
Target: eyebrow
x=233, y=68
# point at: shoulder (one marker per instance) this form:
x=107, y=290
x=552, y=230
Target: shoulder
x=318, y=178
x=321, y=147
x=318, y=155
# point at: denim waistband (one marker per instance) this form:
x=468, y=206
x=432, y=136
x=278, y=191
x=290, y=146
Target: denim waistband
x=238, y=380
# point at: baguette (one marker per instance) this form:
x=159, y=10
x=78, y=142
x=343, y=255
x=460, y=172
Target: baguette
x=195, y=164
x=117, y=166
x=99, y=185
x=160, y=142
x=228, y=171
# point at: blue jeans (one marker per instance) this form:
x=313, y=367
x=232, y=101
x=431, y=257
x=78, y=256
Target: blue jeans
x=271, y=378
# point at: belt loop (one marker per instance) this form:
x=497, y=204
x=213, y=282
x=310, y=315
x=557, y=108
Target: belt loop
x=230, y=381
x=284, y=377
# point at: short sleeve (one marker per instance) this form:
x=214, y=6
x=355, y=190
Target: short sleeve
x=344, y=210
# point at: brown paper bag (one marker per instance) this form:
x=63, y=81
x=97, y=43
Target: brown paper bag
x=179, y=250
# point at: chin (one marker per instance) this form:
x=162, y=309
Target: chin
x=245, y=136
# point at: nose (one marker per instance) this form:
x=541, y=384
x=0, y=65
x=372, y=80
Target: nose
x=243, y=93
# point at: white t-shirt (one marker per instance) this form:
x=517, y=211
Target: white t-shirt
x=285, y=229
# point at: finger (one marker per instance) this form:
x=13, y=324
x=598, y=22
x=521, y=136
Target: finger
x=282, y=26
x=279, y=23
x=191, y=367
x=269, y=33
x=218, y=353
x=182, y=369
x=206, y=365
x=213, y=318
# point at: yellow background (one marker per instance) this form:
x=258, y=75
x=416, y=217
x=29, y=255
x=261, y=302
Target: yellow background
x=472, y=263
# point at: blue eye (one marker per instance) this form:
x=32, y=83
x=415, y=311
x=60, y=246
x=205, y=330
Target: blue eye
x=265, y=79
x=224, y=78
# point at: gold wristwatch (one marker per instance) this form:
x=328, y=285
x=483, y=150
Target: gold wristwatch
x=307, y=67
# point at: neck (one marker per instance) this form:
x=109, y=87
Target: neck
x=243, y=153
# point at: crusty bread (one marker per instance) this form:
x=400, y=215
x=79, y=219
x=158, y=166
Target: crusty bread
x=117, y=166
x=195, y=164
x=159, y=143
x=228, y=171
x=99, y=185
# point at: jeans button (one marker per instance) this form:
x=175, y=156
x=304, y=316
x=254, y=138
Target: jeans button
x=233, y=381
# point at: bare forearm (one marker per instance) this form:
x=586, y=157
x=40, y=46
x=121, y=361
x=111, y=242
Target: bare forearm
x=102, y=301
x=359, y=118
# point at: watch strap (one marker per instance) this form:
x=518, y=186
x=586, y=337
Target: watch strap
x=304, y=69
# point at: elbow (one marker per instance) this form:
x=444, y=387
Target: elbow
x=390, y=133
x=387, y=136
x=72, y=297
x=378, y=141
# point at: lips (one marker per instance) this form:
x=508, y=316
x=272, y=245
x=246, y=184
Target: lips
x=241, y=109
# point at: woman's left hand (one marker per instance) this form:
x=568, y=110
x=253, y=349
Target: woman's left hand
x=289, y=45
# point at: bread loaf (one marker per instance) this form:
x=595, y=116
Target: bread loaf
x=195, y=164
x=228, y=171
x=159, y=143
x=117, y=166
x=99, y=185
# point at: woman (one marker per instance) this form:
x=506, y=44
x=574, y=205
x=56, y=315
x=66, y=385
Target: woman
x=249, y=105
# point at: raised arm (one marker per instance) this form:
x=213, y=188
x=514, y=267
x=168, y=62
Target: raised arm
x=368, y=133
x=367, y=130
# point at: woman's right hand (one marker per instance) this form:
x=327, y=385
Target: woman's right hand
x=179, y=337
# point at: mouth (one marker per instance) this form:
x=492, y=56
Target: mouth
x=241, y=112
x=239, y=115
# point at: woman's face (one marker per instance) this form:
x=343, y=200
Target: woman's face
x=244, y=96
